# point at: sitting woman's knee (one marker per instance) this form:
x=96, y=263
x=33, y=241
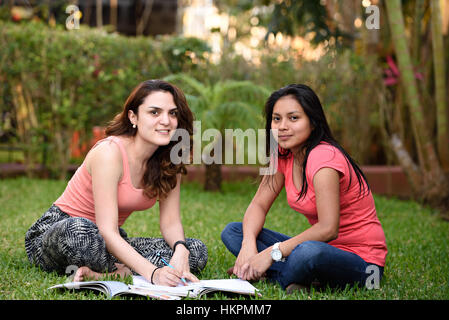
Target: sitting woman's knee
x=198, y=254
x=72, y=237
x=231, y=229
x=309, y=250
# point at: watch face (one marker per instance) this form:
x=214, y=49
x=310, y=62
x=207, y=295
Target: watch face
x=276, y=255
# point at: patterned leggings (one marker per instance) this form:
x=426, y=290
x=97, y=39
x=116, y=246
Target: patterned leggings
x=57, y=241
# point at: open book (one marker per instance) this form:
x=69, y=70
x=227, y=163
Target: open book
x=142, y=287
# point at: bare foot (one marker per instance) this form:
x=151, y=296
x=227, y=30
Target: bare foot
x=122, y=270
x=85, y=273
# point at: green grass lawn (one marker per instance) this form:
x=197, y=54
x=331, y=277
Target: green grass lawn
x=417, y=264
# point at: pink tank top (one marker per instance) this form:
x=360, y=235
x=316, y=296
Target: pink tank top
x=77, y=199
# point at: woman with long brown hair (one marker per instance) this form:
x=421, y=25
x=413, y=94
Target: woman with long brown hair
x=127, y=171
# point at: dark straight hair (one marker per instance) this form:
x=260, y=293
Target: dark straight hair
x=320, y=133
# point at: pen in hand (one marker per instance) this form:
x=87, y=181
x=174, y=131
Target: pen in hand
x=169, y=265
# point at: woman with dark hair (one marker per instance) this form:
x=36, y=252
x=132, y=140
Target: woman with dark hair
x=345, y=243
x=127, y=171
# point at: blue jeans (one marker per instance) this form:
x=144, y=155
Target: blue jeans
x=310, y=261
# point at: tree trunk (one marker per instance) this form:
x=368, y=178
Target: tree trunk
x=416, y=38
x=440, y=84
x=26, y=124
x=87, y=12
x=407, y=77
x=143, y=21
x=434, y=186
x=99, y=13
x=213, y=177
x=113, y=14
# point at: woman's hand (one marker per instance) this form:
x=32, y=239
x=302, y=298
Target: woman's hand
x=241, y=263
x=257, y=265
x=180, y=261
x=253, y=222
x=167, y=276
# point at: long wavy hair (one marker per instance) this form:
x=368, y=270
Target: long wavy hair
x=160, y=173
x=321, y=132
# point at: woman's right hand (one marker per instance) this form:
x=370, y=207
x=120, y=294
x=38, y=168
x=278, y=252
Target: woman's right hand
x=241, y=263
x=167, y=276
x=254, y=220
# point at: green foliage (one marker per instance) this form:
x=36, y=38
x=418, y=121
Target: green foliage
x=184, y=53
x=75, y=80
x=225, y=104
x=79, y=79
x=350, y=88
x=291, y=17
x=299, y=17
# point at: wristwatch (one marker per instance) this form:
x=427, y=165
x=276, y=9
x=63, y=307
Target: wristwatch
x=276, y=253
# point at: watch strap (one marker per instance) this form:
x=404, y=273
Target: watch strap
x=182, y=243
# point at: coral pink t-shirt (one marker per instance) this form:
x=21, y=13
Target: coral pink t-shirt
x=77, y=199
x=360, y=231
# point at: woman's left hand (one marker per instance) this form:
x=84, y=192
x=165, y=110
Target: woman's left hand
x=257, y=265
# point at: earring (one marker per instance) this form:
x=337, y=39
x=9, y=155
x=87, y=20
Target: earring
x=134, y=126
